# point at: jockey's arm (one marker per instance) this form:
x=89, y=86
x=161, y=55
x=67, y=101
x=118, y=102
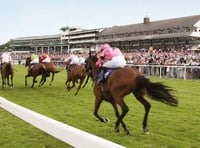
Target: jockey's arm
x=99, y=62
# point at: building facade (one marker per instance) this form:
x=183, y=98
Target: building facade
x=71, y=39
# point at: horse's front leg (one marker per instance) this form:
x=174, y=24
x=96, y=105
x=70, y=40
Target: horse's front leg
x=96, y=108
x=73, y=85
x=8, y=81
x=3, y=82
x=80, y=84
x=67, y=83
x=52, y=78
x=125, y=110
x=12, y=85
x=86, y=81
x=34, y=81
x=43, y=80
x=26, y=80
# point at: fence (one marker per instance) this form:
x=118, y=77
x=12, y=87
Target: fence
x=165, y=71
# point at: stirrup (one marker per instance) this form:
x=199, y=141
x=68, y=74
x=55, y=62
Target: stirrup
x=100, y=81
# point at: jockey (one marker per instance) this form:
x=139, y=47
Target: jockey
x=5, y=58
x=45, y=58
x=81, y=61
x=109, y=58
x=74, y=61
x=34, y=60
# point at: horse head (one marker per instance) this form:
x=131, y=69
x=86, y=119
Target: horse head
x=90, y=62
x=28, y=60
x=67, y=63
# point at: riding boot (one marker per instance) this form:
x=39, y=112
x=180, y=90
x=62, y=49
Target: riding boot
x=101, y=76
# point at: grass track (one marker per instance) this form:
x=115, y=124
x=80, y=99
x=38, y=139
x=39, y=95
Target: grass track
x=170, y=127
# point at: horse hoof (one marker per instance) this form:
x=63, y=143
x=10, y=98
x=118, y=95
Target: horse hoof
x=146, y=131
x=117, y=130
x=106, y=120
x=127, y=132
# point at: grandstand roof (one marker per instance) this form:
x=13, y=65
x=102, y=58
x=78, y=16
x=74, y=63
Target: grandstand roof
x=39, y=37
x=188, y=21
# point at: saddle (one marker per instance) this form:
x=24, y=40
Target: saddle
x=108, y=72
x=31, y=66
x=105, y=73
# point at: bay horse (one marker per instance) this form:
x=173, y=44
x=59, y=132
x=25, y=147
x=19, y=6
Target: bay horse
x=75, y=74
x=51, y=68
x=37, y=69
x=7, y=74
x=131, y=81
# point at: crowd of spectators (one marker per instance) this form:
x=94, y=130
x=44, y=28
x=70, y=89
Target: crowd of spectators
x=168, y=56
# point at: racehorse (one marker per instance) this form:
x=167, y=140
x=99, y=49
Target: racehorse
x=131, y=81
x=7, y=74
x=51, y=68
x=73, y=75
x=37, y=69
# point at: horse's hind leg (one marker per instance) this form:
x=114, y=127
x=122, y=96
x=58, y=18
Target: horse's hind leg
x=147, y=106
x=125, y=110
x=118, y=115
x=11, y=79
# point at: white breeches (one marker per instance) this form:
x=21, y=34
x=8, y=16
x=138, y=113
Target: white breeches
x=34, y=61
x=115, y=62
x=47, y=60
x=75, y=61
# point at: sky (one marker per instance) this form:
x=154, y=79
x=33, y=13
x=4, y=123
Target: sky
x=24, y=18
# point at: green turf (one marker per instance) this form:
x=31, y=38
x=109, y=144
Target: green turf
x=170, y=127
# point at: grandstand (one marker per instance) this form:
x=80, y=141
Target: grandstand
x=176, y=33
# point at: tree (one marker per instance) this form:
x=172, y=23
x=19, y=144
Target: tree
x=4, y=46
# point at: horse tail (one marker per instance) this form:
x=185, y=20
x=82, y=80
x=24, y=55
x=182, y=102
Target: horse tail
x=58, y=70
x=157, y=91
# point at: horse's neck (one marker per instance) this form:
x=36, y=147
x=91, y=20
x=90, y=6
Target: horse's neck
x=94, y=73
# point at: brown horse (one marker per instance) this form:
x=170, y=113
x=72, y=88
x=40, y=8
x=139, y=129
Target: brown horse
x=38, y=69
x=131, y=81
x=51, y=68
x=76, y=73
x=7, y=74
